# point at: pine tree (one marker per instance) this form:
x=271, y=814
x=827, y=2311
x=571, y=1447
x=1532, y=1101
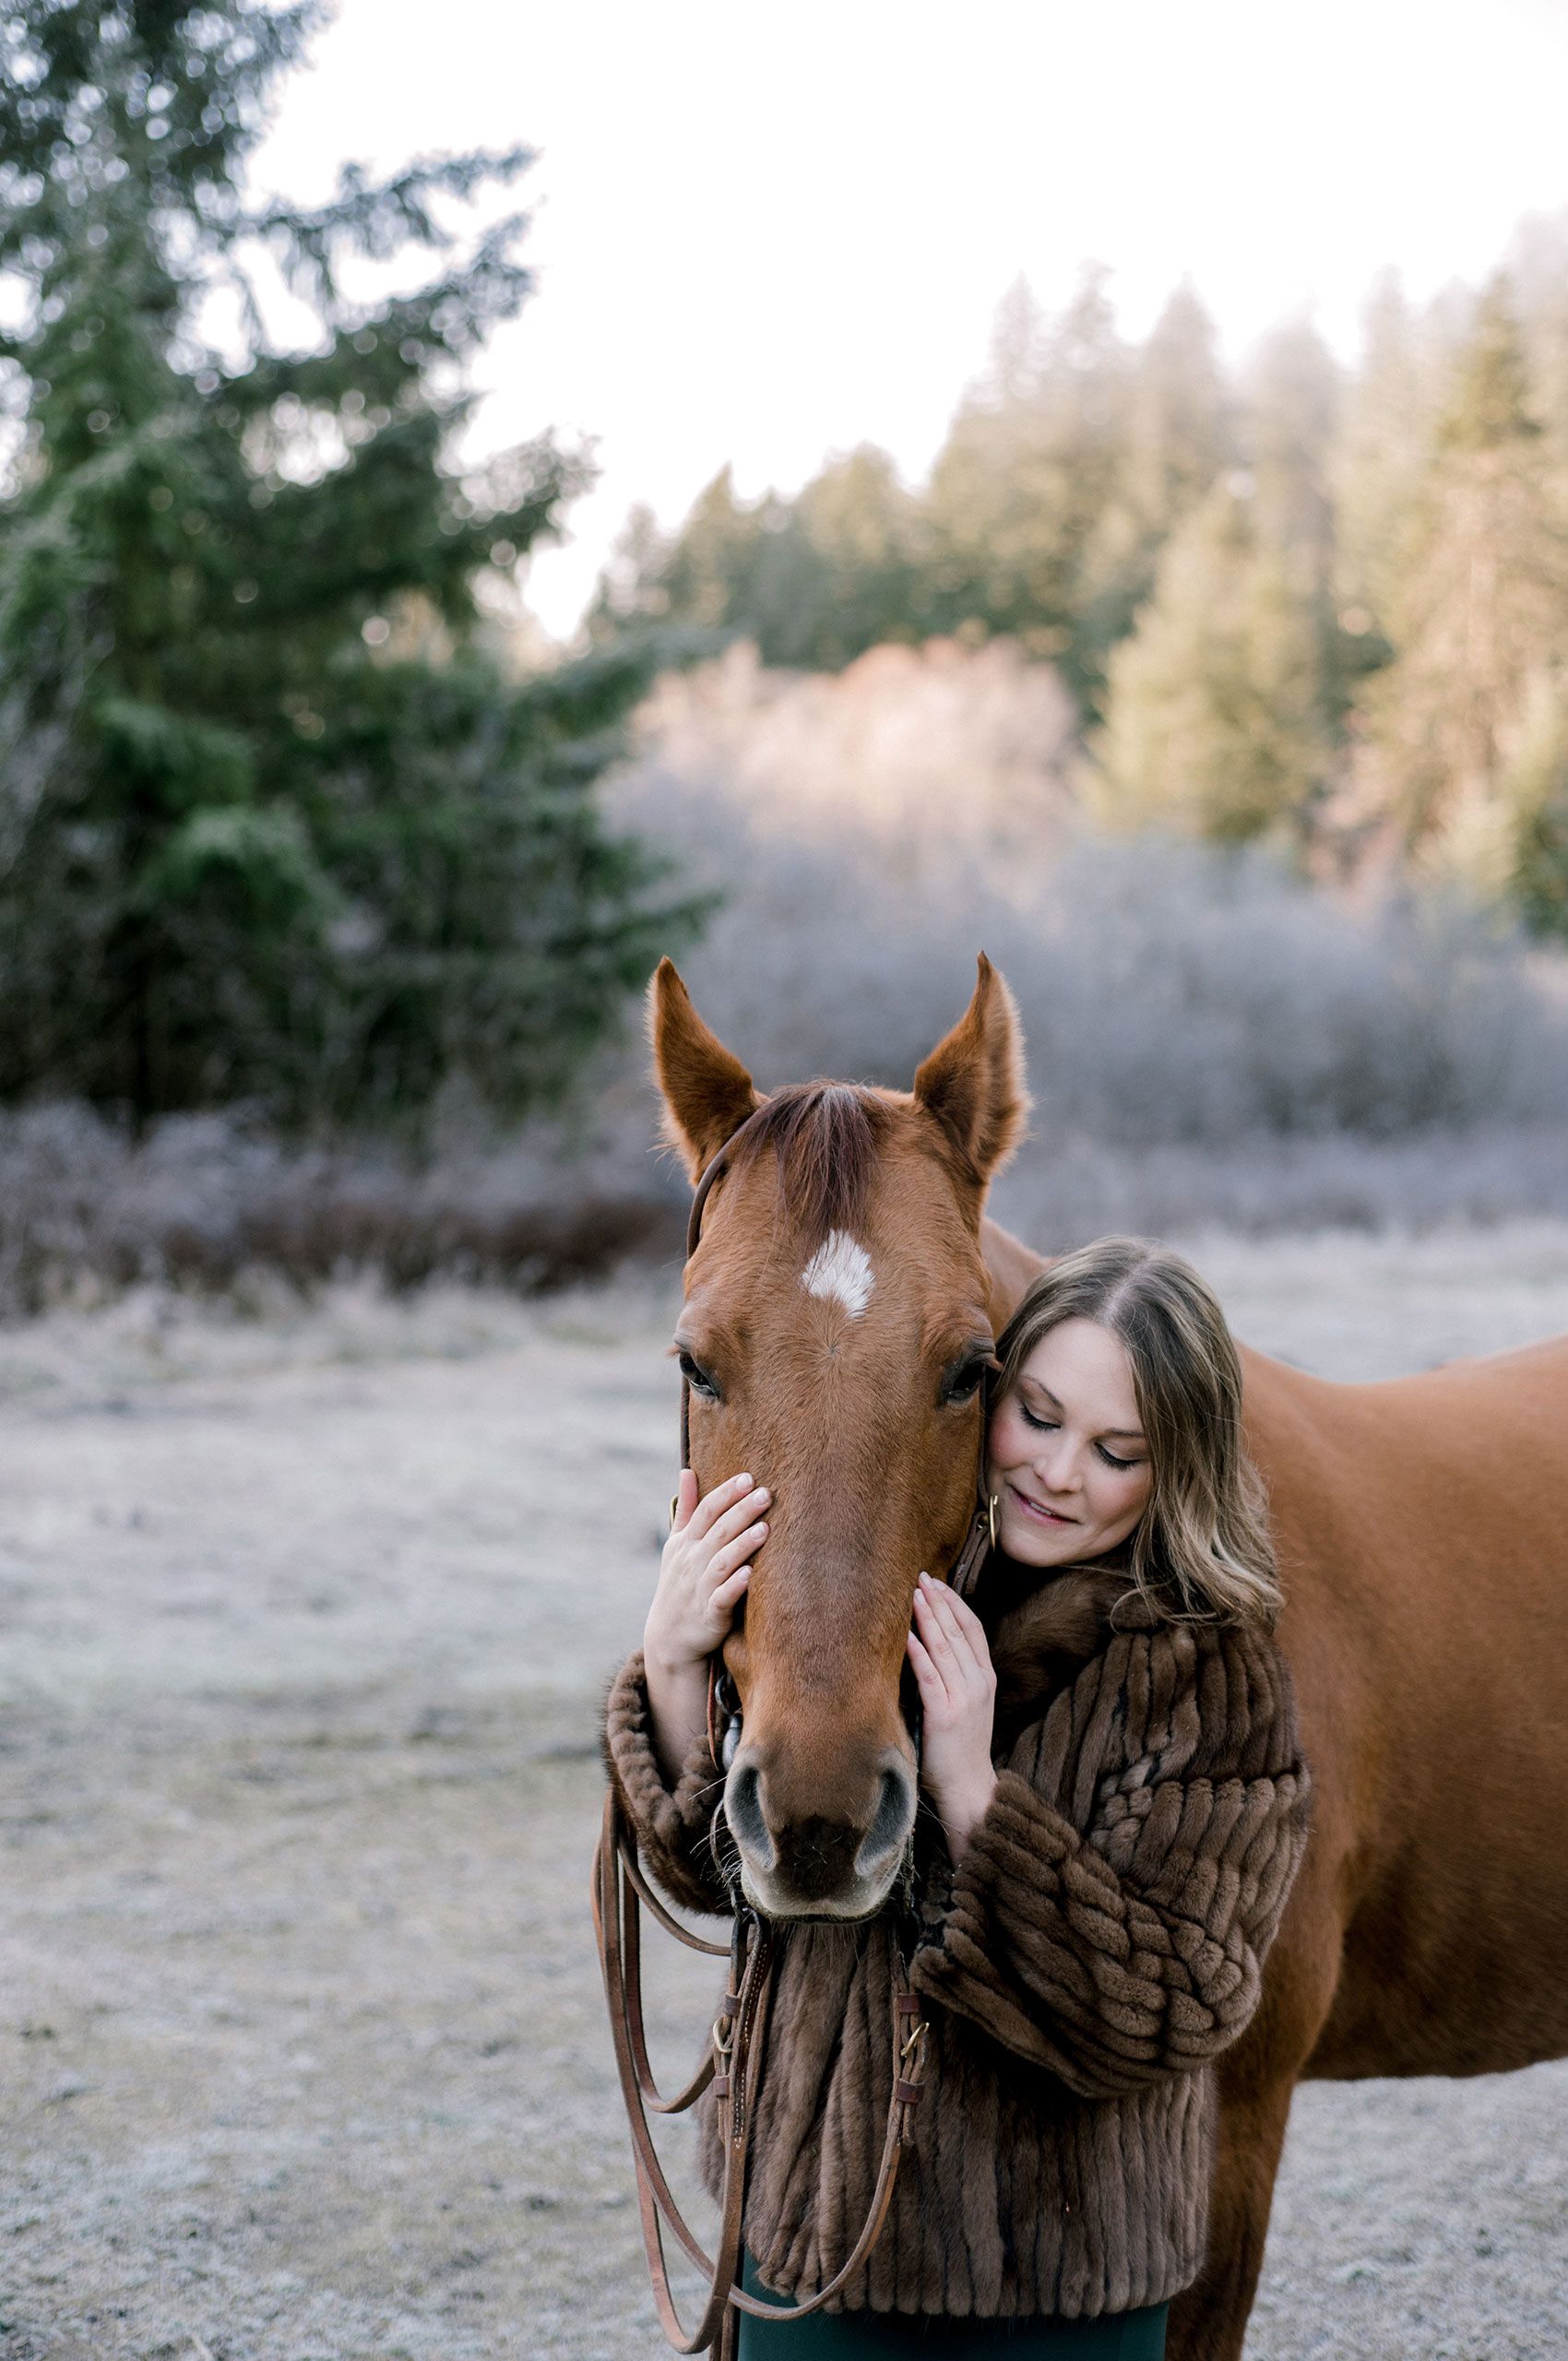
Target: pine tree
x=1537, y=270
x=1290, y=415
x=1479, y=624
x=1378, y=469
x=1219, y=718
x=708, y=574
x=631, y=590
x=272, y=821
x=1176, y=436
x=1179, y=427
x=813, y=581
x=735, y=568
x=1022, y=482
x=859, y=525
x=1532, y=871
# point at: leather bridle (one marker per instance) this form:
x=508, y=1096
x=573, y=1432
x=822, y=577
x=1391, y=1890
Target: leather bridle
x=733, y=2061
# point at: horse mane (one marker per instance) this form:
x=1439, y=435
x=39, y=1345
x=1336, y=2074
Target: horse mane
x=826, y=1137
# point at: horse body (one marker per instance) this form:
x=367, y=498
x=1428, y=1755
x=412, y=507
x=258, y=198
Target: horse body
x=1429, y=1640
x=1422, y=1528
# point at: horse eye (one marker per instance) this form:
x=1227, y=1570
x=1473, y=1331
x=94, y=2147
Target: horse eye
x=698, y=1378
x=962, y=1382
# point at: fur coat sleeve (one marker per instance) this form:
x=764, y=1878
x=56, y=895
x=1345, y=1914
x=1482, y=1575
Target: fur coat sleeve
x=1109, y=1916
x=673, y=1825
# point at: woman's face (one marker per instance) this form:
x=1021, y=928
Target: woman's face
x=1065, y=1454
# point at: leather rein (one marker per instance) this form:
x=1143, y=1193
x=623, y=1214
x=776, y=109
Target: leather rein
x=733, y=2061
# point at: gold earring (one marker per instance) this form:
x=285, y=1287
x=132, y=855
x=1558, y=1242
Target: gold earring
x=991, y=1508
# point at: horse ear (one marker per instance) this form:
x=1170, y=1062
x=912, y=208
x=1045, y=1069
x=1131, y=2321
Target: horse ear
x=707, y=1092
x=973, y=1081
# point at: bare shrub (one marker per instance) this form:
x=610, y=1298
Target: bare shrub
x=203, y=1201
x=1061, y=1192
x=924, y=755
x=1172, y=991
x=1213, y=1042
x=1211, y=1038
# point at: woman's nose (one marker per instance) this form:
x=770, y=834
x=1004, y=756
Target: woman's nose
x=1058, y=1470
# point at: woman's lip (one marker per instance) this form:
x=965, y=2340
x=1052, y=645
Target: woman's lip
x=1036, y=1507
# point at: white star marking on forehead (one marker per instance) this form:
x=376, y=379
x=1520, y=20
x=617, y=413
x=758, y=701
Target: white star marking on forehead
x=840, y=1272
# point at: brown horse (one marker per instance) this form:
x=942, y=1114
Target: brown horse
x=837, y=1306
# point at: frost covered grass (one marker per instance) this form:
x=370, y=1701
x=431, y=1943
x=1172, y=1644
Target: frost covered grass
x=308, y=1611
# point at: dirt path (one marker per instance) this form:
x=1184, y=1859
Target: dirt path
x=302, y=1618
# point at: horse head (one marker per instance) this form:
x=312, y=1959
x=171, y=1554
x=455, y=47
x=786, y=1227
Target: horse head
x=836, y=1326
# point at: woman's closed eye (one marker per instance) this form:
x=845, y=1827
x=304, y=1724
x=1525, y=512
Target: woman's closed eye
x=1048, y=1427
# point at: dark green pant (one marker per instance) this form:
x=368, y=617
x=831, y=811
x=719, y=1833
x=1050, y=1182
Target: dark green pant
x=878, y=2336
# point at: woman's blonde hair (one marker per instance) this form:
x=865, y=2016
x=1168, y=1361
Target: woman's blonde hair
x=1201, y=1551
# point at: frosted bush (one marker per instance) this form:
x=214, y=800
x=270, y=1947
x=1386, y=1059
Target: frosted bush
x=1213, y=1042
x=1170, y=991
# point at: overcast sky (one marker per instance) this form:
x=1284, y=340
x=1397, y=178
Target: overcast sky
x=768, y=231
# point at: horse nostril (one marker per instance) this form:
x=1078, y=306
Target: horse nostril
x=889, y=1829
x=742, y=1809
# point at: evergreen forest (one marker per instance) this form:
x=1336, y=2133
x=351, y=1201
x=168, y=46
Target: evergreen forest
x=1318, y=606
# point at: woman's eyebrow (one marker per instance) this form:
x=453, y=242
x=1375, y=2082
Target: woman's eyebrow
x=1129, y=1434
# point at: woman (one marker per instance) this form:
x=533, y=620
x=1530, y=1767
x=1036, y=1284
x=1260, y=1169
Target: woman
x=1108, y=1748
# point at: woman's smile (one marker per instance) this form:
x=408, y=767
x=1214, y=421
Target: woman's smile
x=1038, y=1507
x=1068, y=1429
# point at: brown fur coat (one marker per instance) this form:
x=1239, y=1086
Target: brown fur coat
x=1097, y=1946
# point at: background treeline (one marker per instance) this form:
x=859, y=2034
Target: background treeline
x=326, y=890
x=1322, y=607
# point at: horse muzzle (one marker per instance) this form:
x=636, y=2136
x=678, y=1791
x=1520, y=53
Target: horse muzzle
x=819, y=1838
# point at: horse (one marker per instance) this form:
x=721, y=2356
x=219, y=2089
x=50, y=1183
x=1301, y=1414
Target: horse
x=839, y=1310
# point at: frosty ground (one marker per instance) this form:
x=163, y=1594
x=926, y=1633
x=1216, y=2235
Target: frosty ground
x=304, y=1614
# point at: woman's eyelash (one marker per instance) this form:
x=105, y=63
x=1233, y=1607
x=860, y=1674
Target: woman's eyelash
x=1048, y=1426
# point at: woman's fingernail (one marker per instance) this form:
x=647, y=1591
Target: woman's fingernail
x=743, y=1480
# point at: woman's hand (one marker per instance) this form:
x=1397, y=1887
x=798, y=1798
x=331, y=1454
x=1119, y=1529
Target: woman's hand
x=704, y=1571
x=701, y=1579
x=957, y=1685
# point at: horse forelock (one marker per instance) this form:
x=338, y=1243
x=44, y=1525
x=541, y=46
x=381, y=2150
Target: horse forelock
x=828, y=1137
